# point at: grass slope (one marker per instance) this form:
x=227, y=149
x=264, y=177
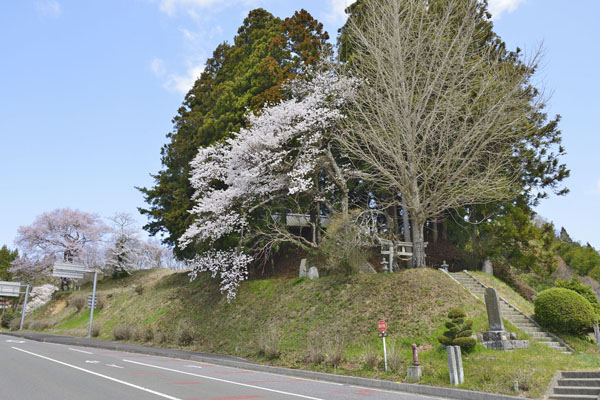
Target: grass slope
x=326, y=325
x=505, y=291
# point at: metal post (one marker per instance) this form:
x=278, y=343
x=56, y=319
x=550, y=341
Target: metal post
x=92, y=307
x=384, y=355
x=24, y=308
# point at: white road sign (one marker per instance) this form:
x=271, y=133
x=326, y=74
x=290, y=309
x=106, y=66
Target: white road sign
x=65, y=270
x=10, y=289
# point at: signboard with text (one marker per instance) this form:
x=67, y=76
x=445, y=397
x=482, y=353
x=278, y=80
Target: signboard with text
x=10, y=289
x=66, y=270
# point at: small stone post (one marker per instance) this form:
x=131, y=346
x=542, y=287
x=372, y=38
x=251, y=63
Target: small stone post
x=459, y=365
x=452, y=365
x=414, y=372
x=597, y=334
x=455, y=368
x=303, y=273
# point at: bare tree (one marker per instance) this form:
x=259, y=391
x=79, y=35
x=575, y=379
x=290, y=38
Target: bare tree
x=435, y=117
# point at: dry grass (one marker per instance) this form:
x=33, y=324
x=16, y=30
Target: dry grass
x=78, y=301
x=123, y=332
x=268, y=345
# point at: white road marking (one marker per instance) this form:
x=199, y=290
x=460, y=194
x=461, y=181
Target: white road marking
x=166, y=396
x=15, y=341
x=193, y=366
x=92, y=362
x=223, y=380
x=114, y=366
x=81, y=351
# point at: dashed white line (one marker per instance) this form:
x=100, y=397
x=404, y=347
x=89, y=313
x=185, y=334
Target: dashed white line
x=81, y=351
x=224, y=380
x=166, y=396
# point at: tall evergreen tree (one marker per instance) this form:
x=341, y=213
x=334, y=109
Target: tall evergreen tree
x=6, y=258
x=239, y=77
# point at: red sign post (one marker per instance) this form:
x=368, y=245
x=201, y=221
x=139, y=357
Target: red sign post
x=382, y=326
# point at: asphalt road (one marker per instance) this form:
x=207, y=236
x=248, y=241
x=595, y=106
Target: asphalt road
x=32, y=370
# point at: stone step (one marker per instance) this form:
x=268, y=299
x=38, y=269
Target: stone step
x=589, y=382
x=550, y=344
x=529, y=329
x=514, y=315
x=540, y=335
x=577, y=390
x=581, y=374
x=572, y=397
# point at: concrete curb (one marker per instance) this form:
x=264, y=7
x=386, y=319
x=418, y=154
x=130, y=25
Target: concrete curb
x=236, y=362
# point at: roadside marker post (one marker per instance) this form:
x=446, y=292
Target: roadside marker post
x=24, y=307
x=93, y=304
x=382, y=326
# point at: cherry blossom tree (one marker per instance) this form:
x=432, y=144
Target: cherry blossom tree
x=283, y=159
x=122, y=253
x=70, y=235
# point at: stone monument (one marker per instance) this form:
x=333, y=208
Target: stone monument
x=303, y=271
x=487, y=267
x=497, y=337
x=313, y=273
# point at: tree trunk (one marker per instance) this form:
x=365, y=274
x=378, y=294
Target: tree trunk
x=444, y=231
x=406, y=223
x=434, y=230
x=418, y=259
x=390, y=219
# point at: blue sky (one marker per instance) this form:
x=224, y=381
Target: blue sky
x=88, y=90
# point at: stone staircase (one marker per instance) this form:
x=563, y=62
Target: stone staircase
x=573, y=385
x=511, y=313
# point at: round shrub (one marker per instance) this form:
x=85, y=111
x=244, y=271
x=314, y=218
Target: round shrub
x=564, y=311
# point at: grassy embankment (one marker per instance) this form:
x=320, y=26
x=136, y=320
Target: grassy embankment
x=325, y=325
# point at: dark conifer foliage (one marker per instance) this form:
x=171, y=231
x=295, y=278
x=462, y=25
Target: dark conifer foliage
x=240, y=77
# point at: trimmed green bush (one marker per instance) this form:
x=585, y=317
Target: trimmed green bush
x=458, y=331
x=564, y=311
x=575, y=285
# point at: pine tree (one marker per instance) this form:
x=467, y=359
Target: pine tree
x=6, y=258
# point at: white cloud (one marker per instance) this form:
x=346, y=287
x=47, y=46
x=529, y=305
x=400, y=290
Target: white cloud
x=498, y=7
x=170, y=6
x=157, y=66
x=336, y=13
x=183, y=83
x=48, y=8
x=173, y=82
